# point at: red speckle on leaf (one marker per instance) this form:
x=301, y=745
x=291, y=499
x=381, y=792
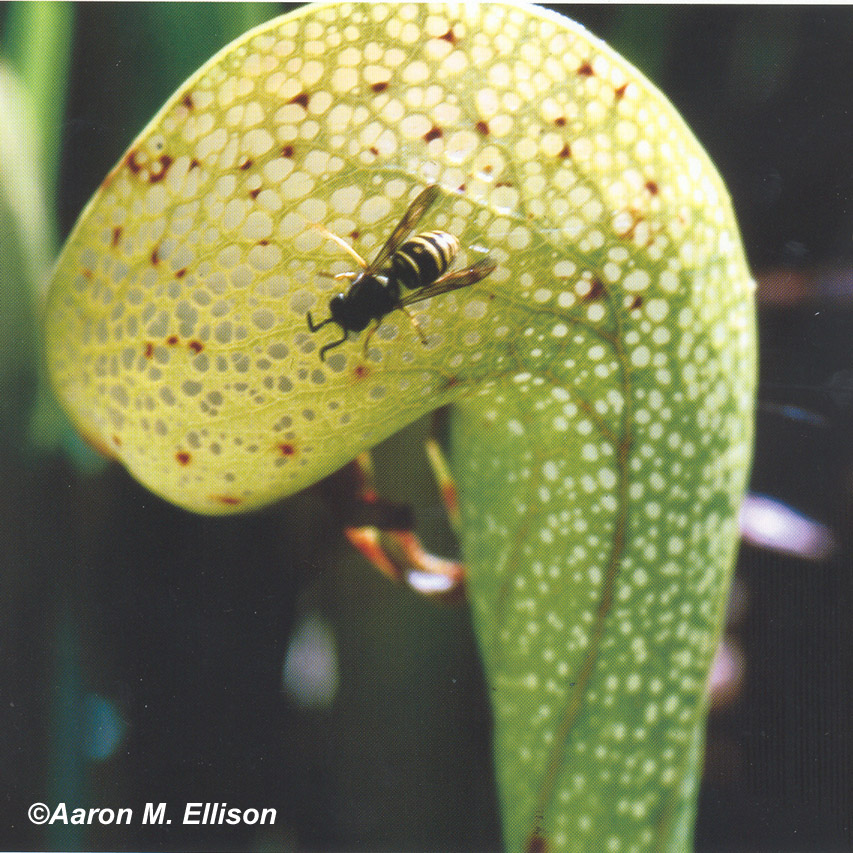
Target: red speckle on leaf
x=620, y=92
x=565, y=151
x=354, y=234
x=374, y=150
x=263, y=242
x=652, y=187
x=482, y=128
x=194, y=163
x=360, y=371
x=181, y=272
x=596, y=291
x=187, y=101
x=246, y=164
x=287, y=151
x=449, y=36
x=155, y=256
x=433, y=133
x=286, y=449
x=183, y=457
x=88, y=274
x=461, y=188
x=165, y=162
x=149, y=349
x=381, y=86
x=301, y=99
x=253, y=194
x=117, y=231
x=130, y=160
x=227, y=500
x=637, y=303
x=196, y=346
x=172, y=340
x=560, y=121
x=586, y=70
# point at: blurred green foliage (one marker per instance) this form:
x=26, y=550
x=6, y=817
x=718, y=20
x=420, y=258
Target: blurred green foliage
x=24, y=253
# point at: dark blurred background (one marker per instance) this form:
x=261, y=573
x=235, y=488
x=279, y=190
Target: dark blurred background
x=147, y=654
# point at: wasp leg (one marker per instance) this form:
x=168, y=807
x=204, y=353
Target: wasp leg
x=384, y=533
x=342, y=243
x=338, y=276
x=412, y=319
x=370, y=332
x=415, y=325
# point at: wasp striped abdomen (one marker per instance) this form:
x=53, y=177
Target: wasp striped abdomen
x=421, y=260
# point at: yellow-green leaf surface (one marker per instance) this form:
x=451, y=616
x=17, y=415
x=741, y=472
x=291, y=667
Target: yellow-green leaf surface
x=603, y=374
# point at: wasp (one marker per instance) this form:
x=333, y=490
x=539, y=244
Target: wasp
x=418, y=265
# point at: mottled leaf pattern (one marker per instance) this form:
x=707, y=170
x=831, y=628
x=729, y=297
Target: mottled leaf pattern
x=603, y=373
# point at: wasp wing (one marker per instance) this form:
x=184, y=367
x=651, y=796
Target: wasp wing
x=452, y=281
x=424, y=201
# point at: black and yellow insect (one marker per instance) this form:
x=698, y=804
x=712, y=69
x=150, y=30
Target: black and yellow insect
x=419, y=265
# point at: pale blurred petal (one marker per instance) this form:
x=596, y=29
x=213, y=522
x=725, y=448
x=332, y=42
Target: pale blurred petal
x=769, y=523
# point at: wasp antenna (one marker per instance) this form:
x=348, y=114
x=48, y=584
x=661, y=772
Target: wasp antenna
x=332, y=345
x=314, y=326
